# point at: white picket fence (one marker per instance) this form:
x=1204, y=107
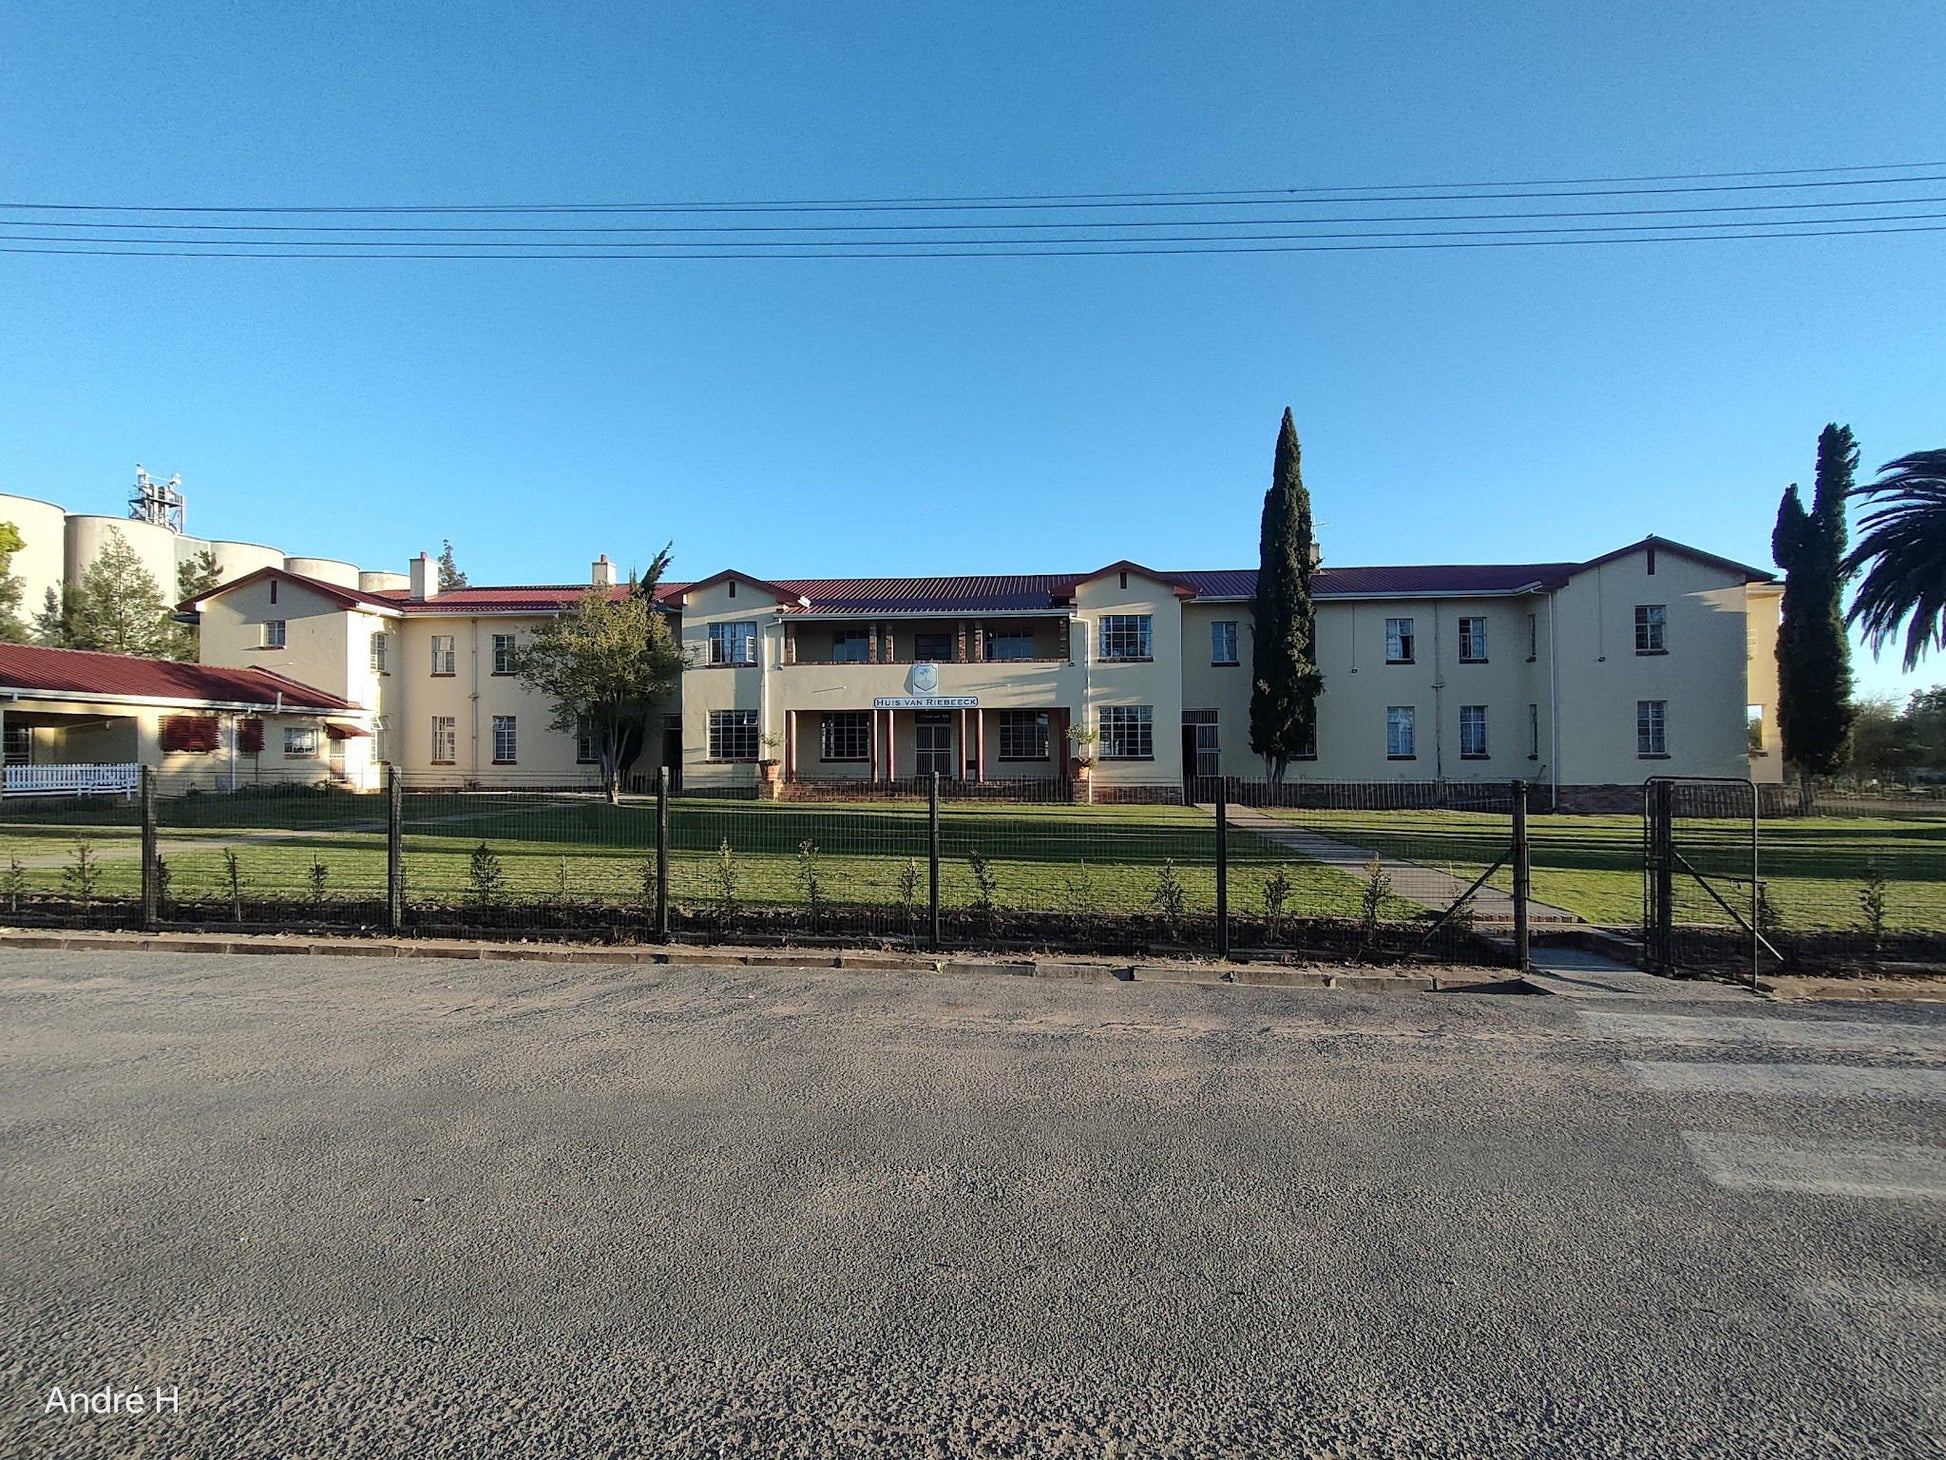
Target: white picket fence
x=73, y=780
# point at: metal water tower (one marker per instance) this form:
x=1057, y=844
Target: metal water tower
x=158, y=502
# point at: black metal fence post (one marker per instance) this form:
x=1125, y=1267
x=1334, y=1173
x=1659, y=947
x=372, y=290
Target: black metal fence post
x=1523, y=873
x=662, y=854
x=1222, y=868
x=932, y=858
x=394, y=852
x=151, y=893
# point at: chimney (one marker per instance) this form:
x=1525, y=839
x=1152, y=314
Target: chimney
x=604, y=572
x=425, y=577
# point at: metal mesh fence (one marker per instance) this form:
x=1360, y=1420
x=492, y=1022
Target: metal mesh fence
x=1312, y=870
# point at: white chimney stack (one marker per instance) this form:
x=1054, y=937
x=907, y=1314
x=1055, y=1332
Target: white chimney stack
x=604, y=572
x=425, y=577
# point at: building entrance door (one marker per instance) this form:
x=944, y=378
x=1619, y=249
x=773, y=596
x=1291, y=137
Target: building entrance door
x=933, y=730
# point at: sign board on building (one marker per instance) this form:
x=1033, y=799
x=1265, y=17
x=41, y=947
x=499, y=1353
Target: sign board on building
x=926, y=702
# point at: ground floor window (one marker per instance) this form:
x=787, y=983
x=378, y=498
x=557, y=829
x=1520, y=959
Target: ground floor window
x=1473, y=732
x=505, y=746
x=1398, y=732
x=445, y=740
x=846, y=735
x=732, y=734
x=1127, y=732
x=20, y=744
x=587, y=741
x=1023, y=735
x=300, y=742
x=1652, y=728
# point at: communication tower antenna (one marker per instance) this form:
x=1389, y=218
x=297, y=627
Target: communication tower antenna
x=158, y=502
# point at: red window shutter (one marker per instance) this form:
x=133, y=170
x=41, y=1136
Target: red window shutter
x=249, y=737
x=189, y=732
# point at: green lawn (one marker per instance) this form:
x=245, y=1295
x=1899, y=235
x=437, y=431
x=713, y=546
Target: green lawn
x=1813, y=868
x=1105, y=859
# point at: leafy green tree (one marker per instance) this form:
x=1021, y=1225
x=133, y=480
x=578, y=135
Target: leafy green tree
x=12, y=630
x=450, y=577
x=1881, y=741
x=1814, y=709
x=119, y=607
x=196, y=575
x=1285, y=682
x=54, y=624
x=1903, y=556
x=604, y=665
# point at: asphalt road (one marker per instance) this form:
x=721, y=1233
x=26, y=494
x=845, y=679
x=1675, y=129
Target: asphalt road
x=352, y=1207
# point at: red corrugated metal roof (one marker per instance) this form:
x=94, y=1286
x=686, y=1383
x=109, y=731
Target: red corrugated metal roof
x=81, y=672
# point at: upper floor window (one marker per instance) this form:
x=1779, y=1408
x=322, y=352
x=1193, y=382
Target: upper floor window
x=1223, y=642
x=506, y=747
x=1399, y=732
x=1650, y=619
x=1398, y=641
x=932, y=648
x=379, y=645
x=1652, y=728
x=1126, y=636
x=1473, y=732
x=1473, y=640
x=273, y=637
x=1010, y=644
x=847, y=735
x=732, y=734
x=1127, y=732
x=442, y=654
x=849, y=646
x=733, y=643
x=1023, y=735
x=506, y=654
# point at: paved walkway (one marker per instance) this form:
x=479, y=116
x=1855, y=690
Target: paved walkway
x=1413, y=881
x=1578, y=975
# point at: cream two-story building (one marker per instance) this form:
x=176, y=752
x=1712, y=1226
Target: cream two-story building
x=1580, y=677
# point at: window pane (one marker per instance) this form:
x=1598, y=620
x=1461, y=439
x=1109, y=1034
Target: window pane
x=1125, y=635
x=1223, y=642
x=1023, y=735
x=1398, y=731
x=1398, y=640
x=847, y=735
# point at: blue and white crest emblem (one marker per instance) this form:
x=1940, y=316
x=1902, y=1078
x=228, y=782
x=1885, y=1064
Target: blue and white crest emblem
x=924, y=679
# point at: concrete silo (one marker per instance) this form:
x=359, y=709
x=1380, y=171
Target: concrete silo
x=42, y=563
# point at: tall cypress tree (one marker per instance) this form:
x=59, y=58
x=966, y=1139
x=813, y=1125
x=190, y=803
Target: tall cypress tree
x=1814, y=710
x=1285, y=682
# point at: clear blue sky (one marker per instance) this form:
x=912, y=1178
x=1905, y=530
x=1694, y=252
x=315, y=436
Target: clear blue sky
x=865, y=416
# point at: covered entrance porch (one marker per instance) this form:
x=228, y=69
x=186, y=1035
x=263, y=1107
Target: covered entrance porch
x=915, y=738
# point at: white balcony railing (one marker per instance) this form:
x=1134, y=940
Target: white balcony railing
x=73, y=780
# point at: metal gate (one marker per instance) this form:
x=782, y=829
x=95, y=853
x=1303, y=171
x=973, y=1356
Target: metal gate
x=1702, y=885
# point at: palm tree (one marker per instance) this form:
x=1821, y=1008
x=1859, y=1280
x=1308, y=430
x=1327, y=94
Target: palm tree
x=1902, y=554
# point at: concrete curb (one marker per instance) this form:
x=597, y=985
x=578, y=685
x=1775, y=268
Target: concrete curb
x=1244, y=975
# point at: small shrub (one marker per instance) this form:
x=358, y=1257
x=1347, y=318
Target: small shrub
x=561, y=884
x=647, y=884
x=723, y=885
x=1170, y=898
x=810, y=879
x=1372, y=899
x=16, y=883
x=1871, y=906
x=319, y=877
x=909, y=889
x=161, y=884
x=986, y=885
x=1080, y=887
x=81, y=878
x=1769, y=920
x=233, y=874
x=1277, y=896
x=486, y=876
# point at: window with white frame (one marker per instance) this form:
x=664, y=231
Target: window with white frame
x=273, y=635
x=379, y=647
x=1652, y=728
x=1127, y=732
x=587, y=740
x=445, y=740
x=506, y=654
x=1223, y=642
x=1473, y=640
x=1023, y=735
x=506, y=745
x=442, y=654
x=1398, y=641
x=381, y=740
x=1650, y=620
x=733, y=643
x=850, y=646
x=1009, y=644
x=1473, y=732
x=846, y=735
x=300, y=742
x=1753, y=716
x=732, y=734
x=1398, y=732
x=1126, y=636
